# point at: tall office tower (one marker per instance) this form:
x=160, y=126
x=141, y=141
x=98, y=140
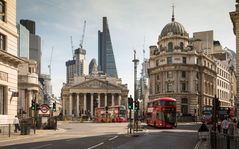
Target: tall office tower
x=78, y=66
x=35, y=43
x=23, y=41
x=106, y=60
x=29, y=24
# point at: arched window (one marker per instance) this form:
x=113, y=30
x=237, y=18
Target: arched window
x=181, y=45
x=170, y=47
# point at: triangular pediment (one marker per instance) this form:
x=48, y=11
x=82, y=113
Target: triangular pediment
x=95, y=84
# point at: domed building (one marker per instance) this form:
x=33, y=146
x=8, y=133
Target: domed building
x=180, y=67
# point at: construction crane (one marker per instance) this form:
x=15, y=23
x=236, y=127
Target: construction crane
x=72, y=47
x=49, y=66
x=83, y=35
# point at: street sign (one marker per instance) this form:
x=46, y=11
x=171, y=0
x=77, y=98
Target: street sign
x=44, y=109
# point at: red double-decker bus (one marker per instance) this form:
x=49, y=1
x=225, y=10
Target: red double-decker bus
x=111, y=114
x=161, y=112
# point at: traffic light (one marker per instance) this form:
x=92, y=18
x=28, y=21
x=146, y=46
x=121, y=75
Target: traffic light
x=33, y=104
x=106, y=109
x=136, y=105
x=130, y=102
x=54, y=106
x=37, y=106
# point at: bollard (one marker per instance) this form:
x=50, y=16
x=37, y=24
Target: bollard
x=9, y=130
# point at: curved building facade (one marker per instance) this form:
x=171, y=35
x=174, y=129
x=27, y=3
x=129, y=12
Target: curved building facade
x=180, y=68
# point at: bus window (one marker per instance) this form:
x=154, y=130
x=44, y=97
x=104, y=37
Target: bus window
x=167, y=103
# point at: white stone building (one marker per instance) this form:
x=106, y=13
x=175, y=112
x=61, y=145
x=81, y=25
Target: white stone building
x=8, y=58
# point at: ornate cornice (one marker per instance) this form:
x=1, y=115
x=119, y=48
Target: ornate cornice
x=9, y=58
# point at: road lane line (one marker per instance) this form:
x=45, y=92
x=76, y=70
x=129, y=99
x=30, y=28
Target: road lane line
x=96, y=145
x=113, y=138
x=37, y=147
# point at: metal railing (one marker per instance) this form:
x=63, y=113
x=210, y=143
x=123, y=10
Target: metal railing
x=222, y=141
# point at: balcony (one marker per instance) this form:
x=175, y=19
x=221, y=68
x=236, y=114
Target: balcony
x=28, y=79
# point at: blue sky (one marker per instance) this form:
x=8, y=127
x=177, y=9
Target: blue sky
x=130, y=22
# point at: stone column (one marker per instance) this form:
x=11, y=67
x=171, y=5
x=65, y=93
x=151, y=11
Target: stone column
x=119, y=100
x=70, y=105
x=77, y=105
x=105, y=99
x=85, y=103
x=91, y=104
x=98, y=100
x=63, y=105
x=113, y=100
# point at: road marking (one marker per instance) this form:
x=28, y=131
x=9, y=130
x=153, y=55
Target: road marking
x=197, y=145
x=37, y=147
x=96, y=145
x=113, y=138
x=70, y=139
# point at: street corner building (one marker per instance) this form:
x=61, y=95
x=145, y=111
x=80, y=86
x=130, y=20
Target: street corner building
x=83, y=94
x=8, y=61
x=191, y=70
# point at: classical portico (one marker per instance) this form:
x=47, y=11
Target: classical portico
x=82, y=98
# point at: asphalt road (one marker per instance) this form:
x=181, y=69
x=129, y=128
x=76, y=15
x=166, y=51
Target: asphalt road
x=111, y=135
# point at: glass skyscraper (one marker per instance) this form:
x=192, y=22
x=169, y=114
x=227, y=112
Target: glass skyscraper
x=106, y=60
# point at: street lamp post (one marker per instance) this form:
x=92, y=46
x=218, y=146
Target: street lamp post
x=135, y=61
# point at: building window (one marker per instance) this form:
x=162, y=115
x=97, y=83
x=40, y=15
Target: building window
x=169, y=74
x=157, y=77
x=2, y=42
x=2, y=100
x=183, y=87
x=157, y=88
x=181, y=45
x=157, y=62
x=169, y=60
x=184, y=106
x=183, y=74
x=184, y=60
x=170, y=47
x=2, y=10
x=169, y=87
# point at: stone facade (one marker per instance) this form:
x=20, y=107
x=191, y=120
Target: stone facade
x=84, y=93
x=235, y=20
x=28, y=87
x=186, y=69
x=8, y=59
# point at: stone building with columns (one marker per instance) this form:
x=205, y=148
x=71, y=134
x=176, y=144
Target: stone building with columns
x=84, y=93
x=189, y=70
x=235, y=21
x=28, y=87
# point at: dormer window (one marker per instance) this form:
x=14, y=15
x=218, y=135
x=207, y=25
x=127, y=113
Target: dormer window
x=170, y=47
x=181, y=45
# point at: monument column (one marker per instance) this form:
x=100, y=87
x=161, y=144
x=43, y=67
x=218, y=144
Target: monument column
x=105, y=99
x=98, y=100
x=63, y=105
x=91, y=105
x=119, y=100
x=113, y=100
x=77, y=105
x=84, y=103
x=70, y=105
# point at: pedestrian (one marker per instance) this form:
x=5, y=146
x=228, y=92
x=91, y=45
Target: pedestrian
x=203, y=127
x=219, y=126
x=224, y=126
x=16, y=123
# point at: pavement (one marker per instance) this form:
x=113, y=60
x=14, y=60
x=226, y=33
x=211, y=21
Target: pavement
x=4, y=137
